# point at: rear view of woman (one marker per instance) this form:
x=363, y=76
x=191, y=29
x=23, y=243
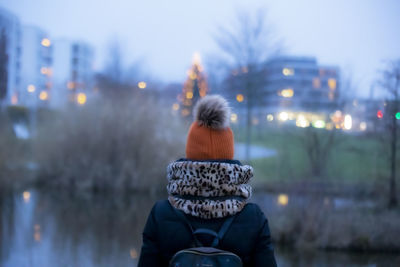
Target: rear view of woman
x=207, y=189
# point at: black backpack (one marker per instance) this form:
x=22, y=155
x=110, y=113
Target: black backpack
x=201, y=256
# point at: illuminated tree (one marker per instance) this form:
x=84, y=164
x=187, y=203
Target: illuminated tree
x=194, y=87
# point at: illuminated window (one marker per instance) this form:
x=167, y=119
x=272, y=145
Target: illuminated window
x=287, y=93
x=316, y=83
x=81, y=98
x=288, y=71
x=332, y=83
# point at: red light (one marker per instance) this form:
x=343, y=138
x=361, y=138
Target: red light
x=379, y=114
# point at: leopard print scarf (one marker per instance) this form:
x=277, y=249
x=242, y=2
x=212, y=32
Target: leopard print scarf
x=208, y=189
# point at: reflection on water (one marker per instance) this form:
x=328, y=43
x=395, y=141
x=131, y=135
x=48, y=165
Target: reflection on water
x=48, y=229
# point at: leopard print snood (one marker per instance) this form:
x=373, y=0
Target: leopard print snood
x=208, y=189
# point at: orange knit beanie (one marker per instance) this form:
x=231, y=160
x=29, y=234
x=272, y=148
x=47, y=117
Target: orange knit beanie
x=209, y=135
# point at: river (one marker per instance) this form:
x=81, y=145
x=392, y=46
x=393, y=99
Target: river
x=48, y=229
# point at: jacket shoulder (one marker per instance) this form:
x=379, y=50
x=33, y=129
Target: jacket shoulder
x=162, y=210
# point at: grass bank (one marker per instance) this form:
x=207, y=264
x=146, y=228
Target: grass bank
x=352, y=161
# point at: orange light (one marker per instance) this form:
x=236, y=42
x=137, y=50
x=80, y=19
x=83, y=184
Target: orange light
x=70, y=85
x=316, y=83
x=287, y=93
x=31, y=88
x=332, y=83
x=175, y=106
x=133, y=253
x=142, y=85
x=14, y=99
x=46, y=42
x=288, y=71
x=26, y=195
x=283, y=199
x=189, y=95
x=185, y=112
x=43, y=96
x=239, y=98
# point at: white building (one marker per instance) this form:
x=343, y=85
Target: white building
x=36, y=70
x=10, y=52
x=73, y=74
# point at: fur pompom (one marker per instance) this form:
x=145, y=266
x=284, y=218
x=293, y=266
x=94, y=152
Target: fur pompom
x=212, y=111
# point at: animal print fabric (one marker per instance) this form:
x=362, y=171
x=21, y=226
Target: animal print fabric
x=208, y=189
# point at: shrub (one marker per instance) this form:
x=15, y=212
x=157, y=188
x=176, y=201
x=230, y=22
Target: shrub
x=108, y=146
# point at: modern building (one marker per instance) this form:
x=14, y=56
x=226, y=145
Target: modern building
x=300, y=84
x=10, y=52
x=73, y=73
x=287, y=88
x=36, y=68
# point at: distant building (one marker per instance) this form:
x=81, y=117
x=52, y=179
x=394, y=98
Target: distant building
x=36, y=70
x=10, y=52
x=288, y=88
x=300, y=84
x=73, y=73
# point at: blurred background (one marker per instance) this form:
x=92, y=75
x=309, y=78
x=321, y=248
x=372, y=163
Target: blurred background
x=96, y=98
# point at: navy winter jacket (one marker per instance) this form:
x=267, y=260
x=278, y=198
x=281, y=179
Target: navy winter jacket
x=165, y=234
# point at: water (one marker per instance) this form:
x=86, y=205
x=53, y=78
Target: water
x=60, y=229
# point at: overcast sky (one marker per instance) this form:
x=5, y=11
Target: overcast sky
x=357, y=35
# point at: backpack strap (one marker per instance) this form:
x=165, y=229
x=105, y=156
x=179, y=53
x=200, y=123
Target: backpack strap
x=182, y=216
x=217, y=236
x=222, y=231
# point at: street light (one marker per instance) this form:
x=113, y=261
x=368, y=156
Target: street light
x=142, y=85
x=239, y=98
x=81, y=98
x=43, y=96
x=31, y=88
x=46, y=42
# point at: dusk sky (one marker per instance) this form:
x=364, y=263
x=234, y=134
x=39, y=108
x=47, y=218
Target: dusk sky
x=357, y=35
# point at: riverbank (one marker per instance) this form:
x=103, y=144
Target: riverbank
x=56, y=228
x=331, y=223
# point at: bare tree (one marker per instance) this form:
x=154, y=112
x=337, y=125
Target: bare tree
x=319, y=143
x=390, y=83
x=245, y=47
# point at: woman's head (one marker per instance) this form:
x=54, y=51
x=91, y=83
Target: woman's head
x=210, y=136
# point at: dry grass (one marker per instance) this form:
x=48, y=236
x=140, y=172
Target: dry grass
x=321, y=226
x=108, y=146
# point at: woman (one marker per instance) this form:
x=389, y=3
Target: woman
x=208, y=187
